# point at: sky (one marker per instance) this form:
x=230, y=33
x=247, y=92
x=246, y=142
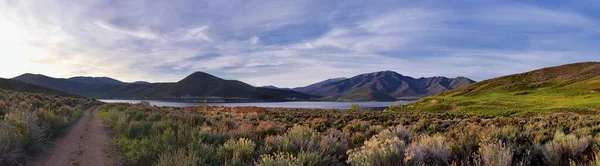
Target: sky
x=292, y=43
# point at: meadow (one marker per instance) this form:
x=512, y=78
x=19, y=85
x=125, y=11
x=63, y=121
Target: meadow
x=29, y=122
x=515, y=95
x=147, y=135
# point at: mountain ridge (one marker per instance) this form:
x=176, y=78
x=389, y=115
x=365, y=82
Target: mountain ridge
x=198, y=86
x=383, y=86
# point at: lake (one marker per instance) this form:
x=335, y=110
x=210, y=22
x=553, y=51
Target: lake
x=295, y=104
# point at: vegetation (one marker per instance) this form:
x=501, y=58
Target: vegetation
x=205, y=135
x=572, y=87
x=29, y=120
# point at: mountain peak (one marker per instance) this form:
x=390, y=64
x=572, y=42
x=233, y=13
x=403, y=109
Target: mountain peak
x=378, y=74
x=199, y=76
x=30, y=75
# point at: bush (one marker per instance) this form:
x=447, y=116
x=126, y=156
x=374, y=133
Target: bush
x=236, y=152
x=65, y=111
x=497, y=154
x=278, y=159
x=3, y=109
x=145, y=103
x=376, y=151
x=11, y=149
x=302, y=159
x=180, y=157
x=334, y=144
x=430, y=150
x=296, y=139
x=354, y=107
x=568, y=148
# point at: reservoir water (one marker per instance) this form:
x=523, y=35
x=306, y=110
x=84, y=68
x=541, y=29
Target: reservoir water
x=296, y=104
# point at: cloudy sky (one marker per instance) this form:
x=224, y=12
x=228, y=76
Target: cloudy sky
x=292, y=43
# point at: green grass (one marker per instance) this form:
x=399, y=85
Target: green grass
x=582, y=96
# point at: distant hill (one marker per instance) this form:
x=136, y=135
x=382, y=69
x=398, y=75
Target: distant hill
x=96, y=80
x=140, y=82
x=567, y=87
x=198, y=86
x=383, y=86
x=19, y=86
x=274, y=87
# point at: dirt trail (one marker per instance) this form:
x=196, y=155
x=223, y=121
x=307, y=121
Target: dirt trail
x=86, y=144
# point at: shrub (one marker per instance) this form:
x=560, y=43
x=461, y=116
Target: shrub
x=377, y=152
x=302, y=159
x=354, y=107
x=466, y=142
x=50, y=121
x=137, y=129
x=278, y=159
x=334, y=144
x=497, y=154
x=145, y=103
x=358, y=139
x=430, y=150
x=3, y=109
x=566, y=148
x=180, y=157
x=236, y=152
x=398, y=131
x=65, y=111
x=296, y=139
x=11, y=150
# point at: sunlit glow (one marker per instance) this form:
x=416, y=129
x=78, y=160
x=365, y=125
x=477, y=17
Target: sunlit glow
x=22, y=47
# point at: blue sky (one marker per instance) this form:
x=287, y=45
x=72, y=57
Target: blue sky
x=293, y=43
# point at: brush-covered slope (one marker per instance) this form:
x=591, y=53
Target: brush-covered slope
x=383, y=86
x=19, y=86
x=573, y=87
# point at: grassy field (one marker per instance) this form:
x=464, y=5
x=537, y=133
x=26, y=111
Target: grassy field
x=256, y=136
x=581, y=96
x=569, y=88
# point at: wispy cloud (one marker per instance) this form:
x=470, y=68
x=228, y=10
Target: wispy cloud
x=292, y=43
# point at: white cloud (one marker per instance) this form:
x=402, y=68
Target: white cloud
x=198, y=34
x=254, y=40
x=140, y=32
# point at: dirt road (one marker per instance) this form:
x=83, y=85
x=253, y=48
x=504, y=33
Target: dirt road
x=86, y=144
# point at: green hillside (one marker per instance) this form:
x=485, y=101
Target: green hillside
x=572, y=87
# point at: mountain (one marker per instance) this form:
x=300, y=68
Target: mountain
x=140, y=82
x=96, y=80
x=574, y=87
x=382, y=86
x=274, y=87
x=19, y=86
x=198, y=86
x=60, y=84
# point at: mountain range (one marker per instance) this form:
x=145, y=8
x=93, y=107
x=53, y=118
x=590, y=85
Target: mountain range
x=199, y=86
x=382, y=86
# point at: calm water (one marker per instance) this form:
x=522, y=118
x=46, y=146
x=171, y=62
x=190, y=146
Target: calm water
x=329, y=105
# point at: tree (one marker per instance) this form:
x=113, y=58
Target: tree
x=354, y=107
x=145, y=103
